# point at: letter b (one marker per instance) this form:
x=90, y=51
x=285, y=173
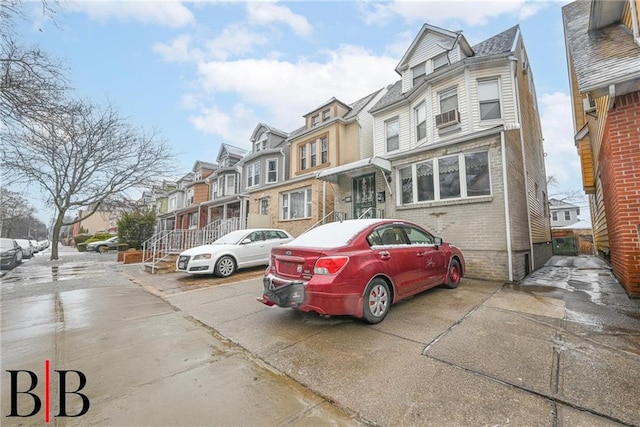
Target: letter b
x=37, y=404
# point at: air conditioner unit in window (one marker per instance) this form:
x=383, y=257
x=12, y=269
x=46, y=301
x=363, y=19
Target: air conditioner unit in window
x=588, y=104
x=447, y=118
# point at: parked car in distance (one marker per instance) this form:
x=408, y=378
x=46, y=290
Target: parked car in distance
x=111, y=243
x=10, y=253
x=27, y=248
x=359, y=268
x=238, y=249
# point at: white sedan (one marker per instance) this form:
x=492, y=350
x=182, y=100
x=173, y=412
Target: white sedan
x=238, y=249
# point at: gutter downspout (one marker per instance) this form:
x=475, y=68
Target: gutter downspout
x=506, y=204
x=516, y=95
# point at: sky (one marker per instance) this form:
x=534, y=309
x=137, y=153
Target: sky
x=204, y=73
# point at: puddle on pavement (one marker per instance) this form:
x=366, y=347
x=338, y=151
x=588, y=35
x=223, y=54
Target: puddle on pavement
x=54, y=273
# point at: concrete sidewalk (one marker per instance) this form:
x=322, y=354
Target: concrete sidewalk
x=145, y=363
x=562, y=348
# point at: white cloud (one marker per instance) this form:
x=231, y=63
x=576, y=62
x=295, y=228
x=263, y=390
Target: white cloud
x=165, y=13
x=234, y=40
x=179, y=50
x=283, y=91
x=562, y=159
x=267, y=13
x=438, y=12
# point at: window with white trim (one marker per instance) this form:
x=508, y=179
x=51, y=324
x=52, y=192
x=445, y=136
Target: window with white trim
x=440, y=61
x=418, y=72
x=193, y=220
x=272, y=170
x=231, y=185
x=448, y=100
x=264, y=206
x=315, y=120
x=567, y=215
x=489, y=99
x=324, y=154
x=554, y=216
x=459, y=176
x=253, y=174
x=296, y=204
x=312, y=154
x=421, y=121
x=326, y=115
x=303, y=157
x=214, y=189
x=392, y=131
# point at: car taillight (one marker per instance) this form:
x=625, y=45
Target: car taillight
x=330, y=265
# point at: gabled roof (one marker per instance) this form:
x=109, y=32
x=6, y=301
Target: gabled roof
x=324, y=104
x=359, y=105
x=455, y=36
x=231, y=150
x=559, y=204
x=499, y=45
x=267, y=128
x=601, y=57
x=204, y=165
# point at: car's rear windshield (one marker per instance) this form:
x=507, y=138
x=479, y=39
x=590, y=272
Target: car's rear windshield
x=332, y=235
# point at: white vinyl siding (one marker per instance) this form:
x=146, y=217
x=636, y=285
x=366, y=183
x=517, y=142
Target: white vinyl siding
x=425, y=51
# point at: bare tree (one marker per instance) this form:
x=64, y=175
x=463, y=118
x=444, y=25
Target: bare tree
x=31, y=82
x=84, y=156
x=13, y=209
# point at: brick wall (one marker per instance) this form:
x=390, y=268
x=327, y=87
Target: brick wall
x=619, y=163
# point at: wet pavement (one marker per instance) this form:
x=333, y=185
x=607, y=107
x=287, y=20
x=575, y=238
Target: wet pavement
x=560, y=348
x=145, y=362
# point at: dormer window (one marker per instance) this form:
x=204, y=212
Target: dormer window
x=440, y=61
x=326, y=115
x=417, y=73
x=315, y=120
x=197, y=176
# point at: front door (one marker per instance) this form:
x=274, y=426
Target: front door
x=364, y=196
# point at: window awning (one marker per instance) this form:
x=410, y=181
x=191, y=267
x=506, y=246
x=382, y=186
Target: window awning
x=333, y=173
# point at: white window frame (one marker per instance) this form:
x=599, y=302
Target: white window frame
x=193, y=220
x=497, y=100
x=445, y=95
x=274, y=171
x=264, y=206
x=567, y=215
x=326, y=115
x=313, y=157
x=387, y=124
x=554, y=215
x=214, y=189
x=324, y=150
x=253, y=174
x=418, y=72
x=462, y=171
x=420, y=109
x=285, y=204
x=302, y=153
x=315, y=120
x=438, y=62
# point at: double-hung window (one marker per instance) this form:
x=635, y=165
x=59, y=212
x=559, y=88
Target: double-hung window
x=264, y=206
x=296, y=204
x=417, y=73
x=393, y=134
x=489, y=99
x=421, y=122
x=272, y=170
x=303, y=157
x=567, y=215
x=312, y=154
x=440, y=61
x=449, y=100
x=324, y=158
x=326, y=115
x=253, y=174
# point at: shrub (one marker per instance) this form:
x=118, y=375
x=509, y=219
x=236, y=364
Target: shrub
x=136, y=227
x=123, y=247
x=82, y=247
x=98, y=237
x=81, y=238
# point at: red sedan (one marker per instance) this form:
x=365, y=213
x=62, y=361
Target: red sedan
x=359, y=268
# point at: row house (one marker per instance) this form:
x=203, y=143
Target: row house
x=603, y=55
x=156, y=200
x=281, y=184
x=457, y=148
x=193, y=214
x=223, y=198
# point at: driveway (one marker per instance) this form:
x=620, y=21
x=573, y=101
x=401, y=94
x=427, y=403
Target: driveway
x=560, y=348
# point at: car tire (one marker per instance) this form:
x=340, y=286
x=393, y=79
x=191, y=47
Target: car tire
x=376, y=301
x=225, y=266
x=14, y=262
x=453, y=275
